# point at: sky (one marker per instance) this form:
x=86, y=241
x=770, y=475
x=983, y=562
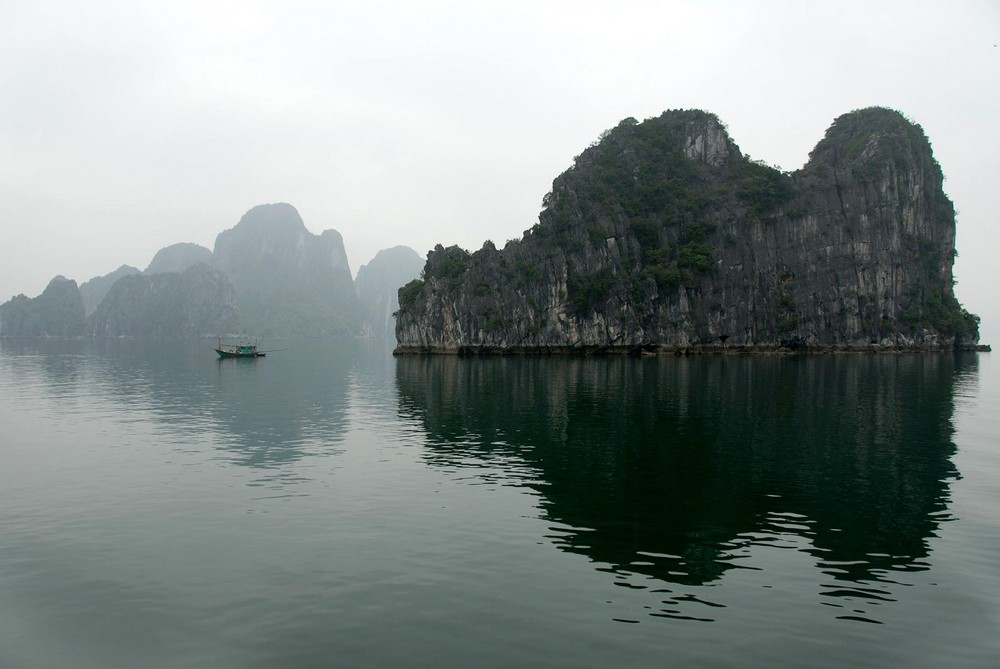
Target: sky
x=126, y=127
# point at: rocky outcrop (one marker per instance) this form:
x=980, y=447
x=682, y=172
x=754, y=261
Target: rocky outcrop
x=195, y=303
x=178, y=257
x=663, y=237
x=57, y=312
x=288, y=281
x=93, y=291
x=378, y=284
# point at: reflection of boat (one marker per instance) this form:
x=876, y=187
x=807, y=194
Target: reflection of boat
x=246, y=350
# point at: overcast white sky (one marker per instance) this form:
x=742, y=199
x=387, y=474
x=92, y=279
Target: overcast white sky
x=129, y=126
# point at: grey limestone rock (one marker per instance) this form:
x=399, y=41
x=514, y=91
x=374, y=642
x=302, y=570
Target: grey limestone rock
x=178, y=257
x=377, y=285
x=288, y=281
x=663, y=237
x=57, y=312
x=198, y=302
x=95, y=289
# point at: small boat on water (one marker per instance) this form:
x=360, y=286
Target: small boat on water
x=245, y=350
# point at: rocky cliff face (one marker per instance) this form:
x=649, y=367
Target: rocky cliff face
x=94, y=290
x=288, y=280
x=664, y=237
x=378, y=285
x=57, y=312
x=197, y=302
x=178, y=257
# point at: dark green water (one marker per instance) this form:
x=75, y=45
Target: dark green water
x=332, y=506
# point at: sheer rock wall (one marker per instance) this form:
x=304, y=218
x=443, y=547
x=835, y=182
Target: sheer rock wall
x=663, y=236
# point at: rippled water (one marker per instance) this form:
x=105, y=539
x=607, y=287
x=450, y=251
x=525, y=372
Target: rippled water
x=332, y=506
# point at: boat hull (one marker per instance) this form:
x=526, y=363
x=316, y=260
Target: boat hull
x=239, y=354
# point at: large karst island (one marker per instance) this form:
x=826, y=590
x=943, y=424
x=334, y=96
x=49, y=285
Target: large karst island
x=661, y=238
x=664, y=237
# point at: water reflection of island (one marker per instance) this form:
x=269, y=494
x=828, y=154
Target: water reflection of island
x=669, y=467
x=265, y=413
x=273, y=412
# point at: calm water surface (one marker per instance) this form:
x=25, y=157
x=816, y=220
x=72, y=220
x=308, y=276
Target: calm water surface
x=332, y=506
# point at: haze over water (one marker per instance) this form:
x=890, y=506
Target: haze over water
x=330, y=505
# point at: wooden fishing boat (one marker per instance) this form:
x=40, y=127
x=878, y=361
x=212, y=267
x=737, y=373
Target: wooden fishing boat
x=245, y=350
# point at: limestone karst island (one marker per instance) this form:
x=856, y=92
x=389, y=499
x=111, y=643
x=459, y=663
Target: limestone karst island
x=664, y=237
x=268, y=275
x=661, y=238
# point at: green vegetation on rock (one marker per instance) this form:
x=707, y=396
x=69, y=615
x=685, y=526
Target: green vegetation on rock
x=663, y=235
x=57, y=312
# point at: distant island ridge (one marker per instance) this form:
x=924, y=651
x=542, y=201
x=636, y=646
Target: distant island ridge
x=664, y=238
x=268, y=275
x=661, y=238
